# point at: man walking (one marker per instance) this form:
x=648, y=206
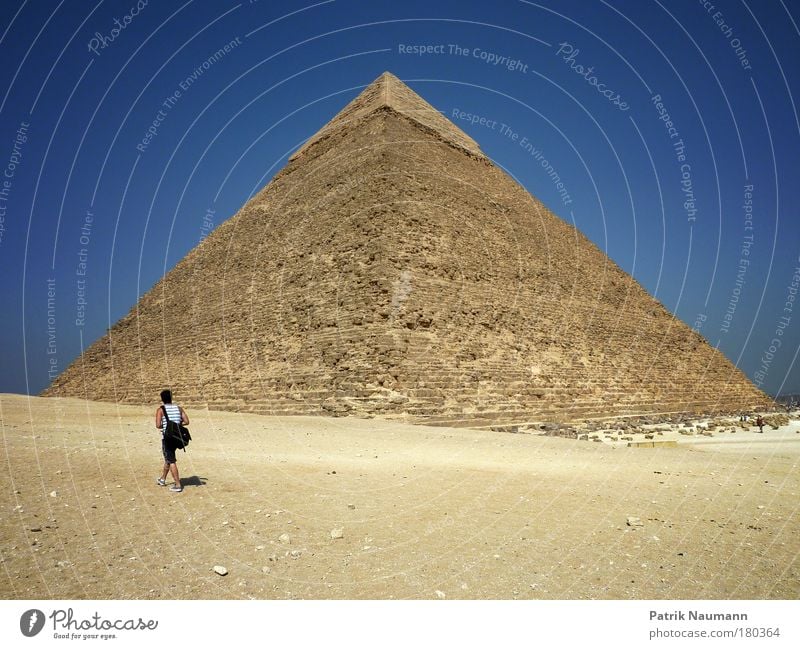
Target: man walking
x=168, y=448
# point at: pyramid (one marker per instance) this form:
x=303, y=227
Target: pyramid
x=391, y=269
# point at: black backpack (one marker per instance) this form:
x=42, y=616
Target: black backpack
x=176, y=433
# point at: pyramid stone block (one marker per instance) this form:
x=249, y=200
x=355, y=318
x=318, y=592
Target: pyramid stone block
x=391, y=269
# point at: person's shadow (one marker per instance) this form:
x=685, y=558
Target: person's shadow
x=193, y=481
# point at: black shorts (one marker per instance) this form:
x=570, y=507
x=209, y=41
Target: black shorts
x=169, y=452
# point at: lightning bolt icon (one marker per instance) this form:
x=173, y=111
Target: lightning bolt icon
x=32, y=621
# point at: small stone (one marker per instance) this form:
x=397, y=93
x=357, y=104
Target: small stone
x=260, y=547
x=440, y=594
x=284, y=538
x=36, y=529
x=54, y=494
x=266, y=570
x=337, y=533
x=761, y=506
x=295, y=554
x=350, y=506
x=221, y=570
x=633, y=521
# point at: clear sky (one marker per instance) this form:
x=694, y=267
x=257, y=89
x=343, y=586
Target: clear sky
x=128, y=129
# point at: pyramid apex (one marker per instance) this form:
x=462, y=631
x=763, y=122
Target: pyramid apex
x=386, y=76
x=388, y=91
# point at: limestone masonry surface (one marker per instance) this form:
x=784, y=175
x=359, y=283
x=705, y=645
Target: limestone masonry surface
x=391, y=269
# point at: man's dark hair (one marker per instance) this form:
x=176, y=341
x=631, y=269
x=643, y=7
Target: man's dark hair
x=166, y=396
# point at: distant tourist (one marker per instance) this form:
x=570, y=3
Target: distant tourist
x=175, y=413
x=760, y=423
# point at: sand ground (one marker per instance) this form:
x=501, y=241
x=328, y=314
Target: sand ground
x=424, y=512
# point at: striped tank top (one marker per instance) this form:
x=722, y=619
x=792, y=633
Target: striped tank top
x=174, y=413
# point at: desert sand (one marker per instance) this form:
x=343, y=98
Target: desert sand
x=419, y=512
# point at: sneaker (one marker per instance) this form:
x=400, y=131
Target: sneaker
x=161, y=482
x=176, y=488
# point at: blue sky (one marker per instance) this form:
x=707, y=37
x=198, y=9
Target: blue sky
x=123, y=139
